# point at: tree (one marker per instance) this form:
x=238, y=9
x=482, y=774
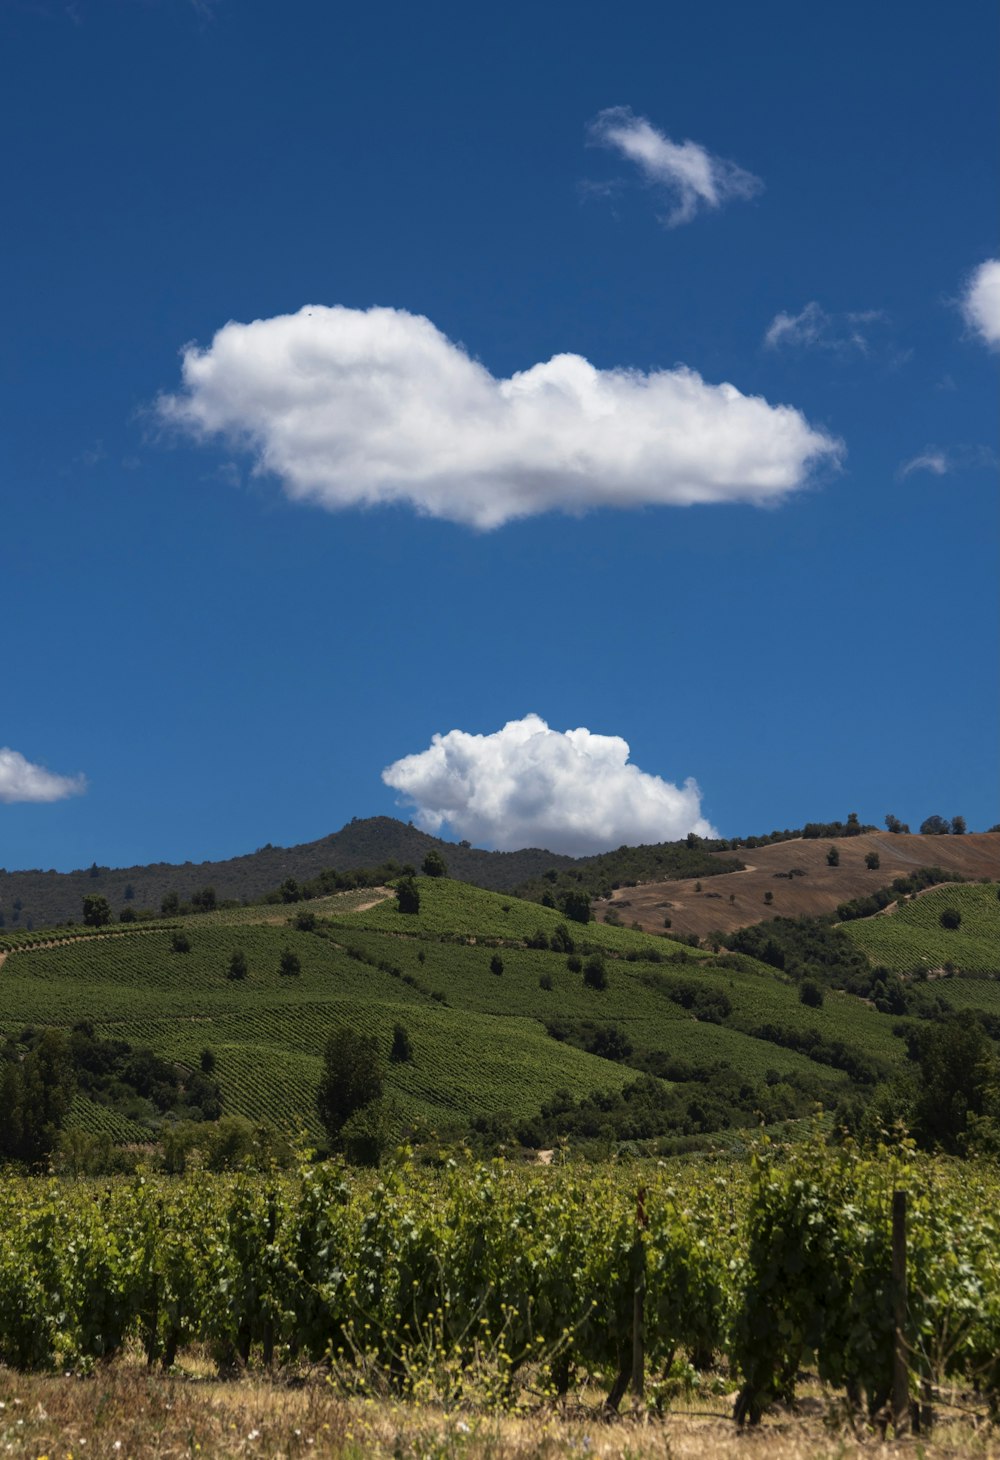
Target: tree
x=129, y=892
x=934, y=826
x=595, y=975
x=204, y=899
x=832, y=857
x=576, y=905
x=769, y=897
x=959, y=1078
x=853, y=827
x=96, y=910
x=128, y=915
x=872, y=861
x=290, y=891
x=351, y=1078
x=402, y=1050
x=894, y=825
x=958, y=826
x=496, y=964
x=950, y=918
x=810, y=993
x=170, y=906
x=560, y=940
x=237, y=964
x=290, y=964
x=434, y=865
x=180, y=943
x=407, y=895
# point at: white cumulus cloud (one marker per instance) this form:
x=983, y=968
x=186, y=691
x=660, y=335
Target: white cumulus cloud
x=354, y=408
x=22, y=781
x=981, y=302
x=526, y=785
x=687, y=173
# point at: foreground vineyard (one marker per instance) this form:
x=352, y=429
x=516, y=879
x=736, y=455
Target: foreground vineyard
x=460, y=1284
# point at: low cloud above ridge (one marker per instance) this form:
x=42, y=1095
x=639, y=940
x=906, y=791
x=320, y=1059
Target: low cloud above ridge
x=526, y=785
x=359, y=408
x=981, y=302
x=22, y=781
x=690, y=176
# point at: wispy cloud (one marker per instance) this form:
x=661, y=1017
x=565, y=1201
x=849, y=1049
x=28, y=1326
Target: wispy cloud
x=22, y=781
x=981, y=302
x=942, y=461
x=354, y=408
x=813, y=328
x=526, y=785
x=688, y=176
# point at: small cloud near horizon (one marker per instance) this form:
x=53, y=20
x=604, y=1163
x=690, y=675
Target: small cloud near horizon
x=527, y=785
x=689, y=176
x=20, y=780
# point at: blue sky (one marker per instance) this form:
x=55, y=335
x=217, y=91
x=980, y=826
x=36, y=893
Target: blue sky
x=795, y=608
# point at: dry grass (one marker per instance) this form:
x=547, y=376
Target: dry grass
x=814, y=895
x=125, y=1412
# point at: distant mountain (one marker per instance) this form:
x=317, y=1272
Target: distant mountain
x=41, y=898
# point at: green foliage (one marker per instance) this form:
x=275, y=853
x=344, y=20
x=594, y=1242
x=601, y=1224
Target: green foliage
x=595, y=975
x=351, y=1079
x=96, y=910
x=811, y=993
x=238, y=968
x=180, y=943
x=401, y=1051
x=872, y=861
x=407, y=896
x=950, y=917
x=496, y=964
x=833, y=856
x=290, y=964
x=434, y=865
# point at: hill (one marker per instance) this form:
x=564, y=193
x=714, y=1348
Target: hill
x=799, y=880
x=505, y=1028
x=41, y=899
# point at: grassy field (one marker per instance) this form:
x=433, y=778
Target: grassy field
x=123, y=1413
x=480, y=1042
x=911, y=937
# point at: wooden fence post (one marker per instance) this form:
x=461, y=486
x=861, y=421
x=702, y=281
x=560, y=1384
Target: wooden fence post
x=900, y=1365
x=639, y=1302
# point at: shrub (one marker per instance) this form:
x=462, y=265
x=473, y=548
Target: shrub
x=595, y=975
x=950, y=917
x=289, y=963
x=574, y=964
x=237, y=964
x=810, y=993
x=872, y=861
x=180, y=943
x=496, y=965
x=833, y=856
x=545, y=981
x=407, y=896
x=402, y=1050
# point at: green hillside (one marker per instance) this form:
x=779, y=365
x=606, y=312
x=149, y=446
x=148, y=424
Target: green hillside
x=500, y=1024
x=911, y=937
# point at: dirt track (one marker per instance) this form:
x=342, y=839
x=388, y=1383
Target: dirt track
x=735, y=899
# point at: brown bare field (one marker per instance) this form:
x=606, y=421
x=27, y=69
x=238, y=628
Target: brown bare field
x=736, y=899
x=124, y=1413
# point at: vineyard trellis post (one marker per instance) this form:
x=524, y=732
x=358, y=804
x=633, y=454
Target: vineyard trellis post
x=639, y=1300
x=900, y=1366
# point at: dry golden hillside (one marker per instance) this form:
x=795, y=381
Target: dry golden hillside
x=735, y=899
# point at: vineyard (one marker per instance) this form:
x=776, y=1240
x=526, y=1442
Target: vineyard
x=488, y=1284
x=483, y=1042
x=911, y=938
